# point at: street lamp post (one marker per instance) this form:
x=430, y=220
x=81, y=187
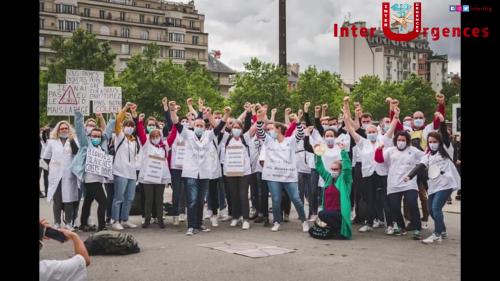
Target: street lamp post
x=282, y=34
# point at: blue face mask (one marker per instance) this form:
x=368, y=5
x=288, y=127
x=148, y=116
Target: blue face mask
x=236, y=132
x=418, y=122
x=95, y=141
x=198, y=131
x=371, y=137
x=273, y=134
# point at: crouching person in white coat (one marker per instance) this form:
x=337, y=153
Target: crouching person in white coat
x=154, y=173
x=63, y=184
x=196, y=165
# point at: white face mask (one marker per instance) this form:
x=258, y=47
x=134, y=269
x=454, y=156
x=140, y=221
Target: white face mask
x=128, y=130
x=330, y=141
x=365, y=125
x=184, y=123
x=155, y=141
x=401, y=145
x=418, y=122
x=335, y=174
x=236, y=132
x=217, y=122
x=433, y=146
x=407, y=123
x=371, y=137
x=325, y=127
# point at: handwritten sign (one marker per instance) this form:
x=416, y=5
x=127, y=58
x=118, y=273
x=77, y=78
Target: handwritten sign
x=63, y=99
x=106, y=99
x=178, y=154
x=154, y=169
x=99, y=163
x=279, y=165
x=234, y=161
x=94, y=79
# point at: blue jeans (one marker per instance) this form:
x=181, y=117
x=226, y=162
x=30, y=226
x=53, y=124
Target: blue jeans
x=436, y=203
x=292, y=190
x=177, y=186
x=124, y=193
x=196, y=190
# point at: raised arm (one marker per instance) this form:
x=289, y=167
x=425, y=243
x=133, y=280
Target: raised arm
x=171, y=136
x=108, y=132
x=394, y=122
x=168, y=119
x=307, y=118
x=227, y=113
x=346, y=165
x=320, y=168
x=260, y=126
x=247, y=124
x=441, y=108
x=348, y=122
x=273, y=115
x=324, y=107
x=80, y=131
x=141, y=132
x=287, y=115
x=317, y=121
x=121, y=117
x=443, y=129
x=190, y=106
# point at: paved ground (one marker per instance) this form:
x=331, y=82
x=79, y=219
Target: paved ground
x=170, y=255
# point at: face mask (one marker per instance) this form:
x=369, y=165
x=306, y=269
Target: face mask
x=386, y=128
x=325, y=127
x=273, y=134
x=63, y=135
x=128, y=130
x=184, y=123
x=236, y=132
x=89, y=129
x=198, y=131
x=217, y=122
x=433, y=146
x=330, y=141
x=334, y=127
x=418, y=122
x=335, y=174
x=371, y=137
x=365, y=125
x=150, y=128
x=95, y=141
x=401, y=145
x=155, y=141
x=407, y=123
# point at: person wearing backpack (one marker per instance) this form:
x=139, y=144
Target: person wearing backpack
x=93, y=138
x=195, y=166
x=63, y=184
x=124, y=170
x=152, y=153
x=236, y=165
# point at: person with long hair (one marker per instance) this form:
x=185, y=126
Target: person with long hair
x=63, y=184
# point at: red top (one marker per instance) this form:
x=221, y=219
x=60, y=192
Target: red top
x=332, y=198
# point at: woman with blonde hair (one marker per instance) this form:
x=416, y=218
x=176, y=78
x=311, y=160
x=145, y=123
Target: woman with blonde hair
x=63, y=185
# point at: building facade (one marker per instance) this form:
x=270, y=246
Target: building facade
x=221, y=72
x=129, y=26
x=390, y=60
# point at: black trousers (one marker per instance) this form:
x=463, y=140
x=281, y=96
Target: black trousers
x=213, y=193
x=110, y=192
x=153, y=200
x=357, y=179
x=228, y=196
x=94, y=190
x=262, y=204
x=332, y=218
x=286, y=204
x=370, y=187
x=140, y=186
x=238, y=187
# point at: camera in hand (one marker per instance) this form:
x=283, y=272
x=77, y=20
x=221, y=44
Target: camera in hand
x=55, y=234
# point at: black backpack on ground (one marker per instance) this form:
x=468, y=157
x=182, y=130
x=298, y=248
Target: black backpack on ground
x=111, y=243
x=319, y=232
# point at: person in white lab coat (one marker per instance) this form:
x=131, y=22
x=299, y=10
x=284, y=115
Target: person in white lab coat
x=374, y=174
x=280, y=170
x=124, y=170
x=63, y=184
x=196, y=165
x=443, y=180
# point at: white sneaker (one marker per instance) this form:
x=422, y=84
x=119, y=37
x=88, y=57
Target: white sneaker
x=313, y=218
x=376, y=223
x=389, y=230
x=305, y=226
x=69, y=227
x=224, y=216
x=208, y=214
x=182, y=217
x=246, y=225
x=425, y=225
x=176, y=220
x=117, y=226
x=204, y=229
x=444, y=234
x=252, y=212
x=233, y=223
x=431, y=239
x=155, y=220
x=365, y=228
x=127, y=224
x=276, y=226
x=213, y=220
x=286, y=218
x=190, y=231
x=56, y=226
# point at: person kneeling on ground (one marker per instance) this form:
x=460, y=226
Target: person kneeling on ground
x=336, y=203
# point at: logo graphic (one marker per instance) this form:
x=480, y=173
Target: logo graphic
x=408, y=19
x=68, y=97
x=453, y=8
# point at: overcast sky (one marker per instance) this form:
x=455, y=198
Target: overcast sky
x=242, y=29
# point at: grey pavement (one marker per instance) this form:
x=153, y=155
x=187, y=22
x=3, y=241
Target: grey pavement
x=168, y=254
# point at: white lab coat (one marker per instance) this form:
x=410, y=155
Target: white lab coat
x=60, y=170
x=148, y=149
x=400, y=165
x=196, y=160
x=234, y=142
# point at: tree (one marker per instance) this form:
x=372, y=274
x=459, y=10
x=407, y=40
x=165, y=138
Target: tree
x=451, y=92
x=261, y=83
x=318, y=88
x=81, y=51
x=146, y=81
